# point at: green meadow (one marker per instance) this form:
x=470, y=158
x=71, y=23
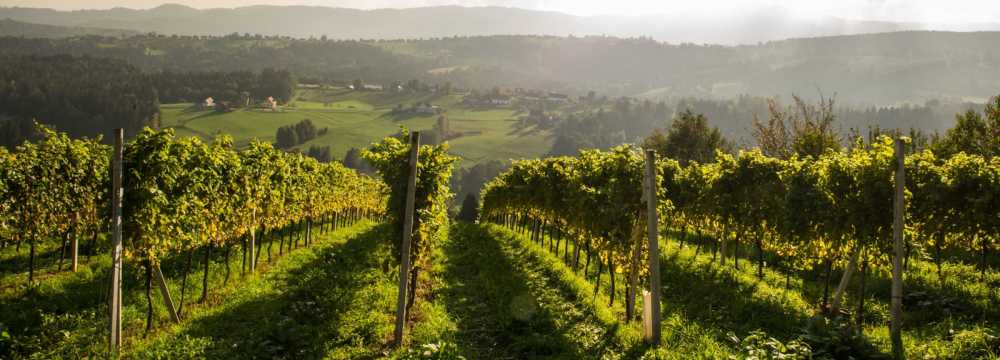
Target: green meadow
x=355, y=119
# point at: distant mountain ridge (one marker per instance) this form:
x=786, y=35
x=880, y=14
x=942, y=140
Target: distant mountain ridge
x=871, y=69
x=10, y=27
x=446, y=21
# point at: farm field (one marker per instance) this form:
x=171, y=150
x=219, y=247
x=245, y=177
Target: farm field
x=356, y=119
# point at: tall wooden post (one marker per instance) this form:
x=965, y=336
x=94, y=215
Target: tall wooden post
x=404, y=265
x=253, y=243
x=895, y=324
x=117, y=193
x=75, y=246
x=652, y=231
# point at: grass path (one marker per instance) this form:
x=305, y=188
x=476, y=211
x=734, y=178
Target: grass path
x=329, y=301
x=511, y=300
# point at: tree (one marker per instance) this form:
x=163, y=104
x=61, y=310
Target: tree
x=443, y=127
x=973, y=133
x=689, y=139
x=320, y=153
x=353, y=160
x=358, y=85
x=470, y=208
x=305, y=130
x=471, y=180
x=286, y=137
x=801, y=129
x=290, y=135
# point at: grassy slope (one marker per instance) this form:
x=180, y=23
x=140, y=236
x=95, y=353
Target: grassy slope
x=703, y=301
x=336, y=300
x=304, y=308
x=494, y=293
x=511, y=300
x=65, y=315
x=355, y=119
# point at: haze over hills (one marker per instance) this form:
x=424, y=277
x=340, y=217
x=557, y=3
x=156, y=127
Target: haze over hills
x=444, y=21
x=871, y=69
x=10, y=27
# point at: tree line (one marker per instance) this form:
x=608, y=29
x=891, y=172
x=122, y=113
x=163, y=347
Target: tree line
x=223, y=86
x=624, y=120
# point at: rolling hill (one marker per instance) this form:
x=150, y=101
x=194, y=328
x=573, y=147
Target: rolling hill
x=355, y=119
x=10, y=27
x=764, y=24
x=872, y=69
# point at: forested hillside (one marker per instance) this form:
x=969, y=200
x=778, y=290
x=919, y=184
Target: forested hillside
x=10, y=27
x=877, y=69
x=81, y=96
x=86, y=96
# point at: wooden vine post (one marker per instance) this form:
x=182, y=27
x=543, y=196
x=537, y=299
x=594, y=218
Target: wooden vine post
x=404, y=263
x=165, y=291
x=895, y=324
x=653, y=305
x=75, y=249
x=253, y=243
x=115, y=305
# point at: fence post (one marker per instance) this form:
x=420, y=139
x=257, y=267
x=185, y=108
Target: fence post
x=653, y=336
x=404, y=265
x=117, y=193
x=895, y=324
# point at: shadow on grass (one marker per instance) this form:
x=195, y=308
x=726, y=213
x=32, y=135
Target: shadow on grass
x=514, y=309
x=328, y=302
x=927, y=300
x=729, y=299
x=714, y=297
x=524, y=131
x=46, y=259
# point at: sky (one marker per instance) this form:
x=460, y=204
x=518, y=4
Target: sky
x=928, y=11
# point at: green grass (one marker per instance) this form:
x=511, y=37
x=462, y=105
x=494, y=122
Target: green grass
x=65, y=315
x=336, y=300
x=513, y=301
x=329, y=299
x=490, y=292
x=704, y=301
x=356, y=119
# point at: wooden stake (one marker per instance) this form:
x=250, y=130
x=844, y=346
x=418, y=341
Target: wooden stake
x=253, y=242
x=404, y=266
x=115, y=341
x=75, y=248
x=895, y=324
x=166, y=294
x=652, y=231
